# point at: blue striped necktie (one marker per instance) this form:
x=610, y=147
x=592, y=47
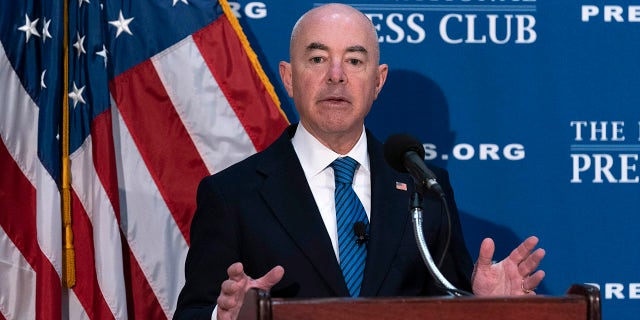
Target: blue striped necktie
x=349, y=210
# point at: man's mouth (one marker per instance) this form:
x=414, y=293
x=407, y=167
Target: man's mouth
x=334, y=99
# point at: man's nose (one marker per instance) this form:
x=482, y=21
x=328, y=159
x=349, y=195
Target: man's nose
x=336, y=73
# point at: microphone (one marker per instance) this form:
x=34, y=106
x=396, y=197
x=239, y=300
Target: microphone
x=406, y=154
x=360, y=230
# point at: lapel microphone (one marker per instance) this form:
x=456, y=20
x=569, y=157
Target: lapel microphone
x=360, y=230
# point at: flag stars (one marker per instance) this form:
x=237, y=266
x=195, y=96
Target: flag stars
x=79, y=45
x=42, y=84
x=103, y=54
x=82, y=1
x=45, y=30
x=29, y=28
x=183, y=1
x=76, y=95
x=121, y=24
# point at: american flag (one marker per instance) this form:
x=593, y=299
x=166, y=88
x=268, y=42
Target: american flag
x=160, y=93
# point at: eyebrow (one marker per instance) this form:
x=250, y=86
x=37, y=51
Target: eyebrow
x=317, y=46
x=321, y=46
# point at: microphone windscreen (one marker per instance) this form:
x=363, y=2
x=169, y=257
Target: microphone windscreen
x=397, y=146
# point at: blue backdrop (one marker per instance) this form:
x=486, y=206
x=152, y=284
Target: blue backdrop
x=534, y=108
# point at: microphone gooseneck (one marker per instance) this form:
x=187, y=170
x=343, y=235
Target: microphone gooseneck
x=415, y=207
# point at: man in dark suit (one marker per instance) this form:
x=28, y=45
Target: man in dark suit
x=273, y=215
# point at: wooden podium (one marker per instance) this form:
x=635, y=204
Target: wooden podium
x=582, y=302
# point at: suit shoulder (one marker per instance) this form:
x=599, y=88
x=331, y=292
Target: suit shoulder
x=255, y=165
x=234, y=175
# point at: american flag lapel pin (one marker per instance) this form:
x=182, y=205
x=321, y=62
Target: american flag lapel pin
x=401, y=186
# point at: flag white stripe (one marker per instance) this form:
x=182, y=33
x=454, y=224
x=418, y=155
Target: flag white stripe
x=106, y=233
x=49, y=218
x=75, y=310
x=205, y=112
x=152, y=233
x=18, y=279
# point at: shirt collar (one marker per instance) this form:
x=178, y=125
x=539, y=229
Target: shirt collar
x=315, y=157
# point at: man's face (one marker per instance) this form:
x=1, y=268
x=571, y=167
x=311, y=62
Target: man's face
x=334, y=74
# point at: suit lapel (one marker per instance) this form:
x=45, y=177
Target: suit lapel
x=287, y=193
x=389, y=216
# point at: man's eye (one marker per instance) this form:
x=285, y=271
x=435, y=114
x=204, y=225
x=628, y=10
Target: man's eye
x=316, y=59
x=354, y=62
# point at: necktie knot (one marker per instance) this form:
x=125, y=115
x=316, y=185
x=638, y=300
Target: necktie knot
x=344, y=169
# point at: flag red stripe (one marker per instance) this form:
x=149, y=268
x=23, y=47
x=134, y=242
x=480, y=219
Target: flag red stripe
x=87, y=288
x=141, y=300
x=18, y=219
x=231, y=67
x=104, y=159
x=164, y=144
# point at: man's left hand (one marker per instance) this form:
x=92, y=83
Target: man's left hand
x=514, y=276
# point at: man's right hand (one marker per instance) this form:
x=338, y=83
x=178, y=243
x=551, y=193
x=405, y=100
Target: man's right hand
x=234, y=289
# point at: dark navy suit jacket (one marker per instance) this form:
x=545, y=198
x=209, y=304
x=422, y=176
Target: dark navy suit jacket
x=262, y=213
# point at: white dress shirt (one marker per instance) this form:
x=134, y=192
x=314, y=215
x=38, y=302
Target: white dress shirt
x=315, y=159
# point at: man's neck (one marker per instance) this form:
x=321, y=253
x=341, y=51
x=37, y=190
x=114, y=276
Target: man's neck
x=340, y=143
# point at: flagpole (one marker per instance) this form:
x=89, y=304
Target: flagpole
x=69, y=265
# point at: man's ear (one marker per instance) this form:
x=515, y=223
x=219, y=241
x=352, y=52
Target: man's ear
x=383, y=69
x=286, y=76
